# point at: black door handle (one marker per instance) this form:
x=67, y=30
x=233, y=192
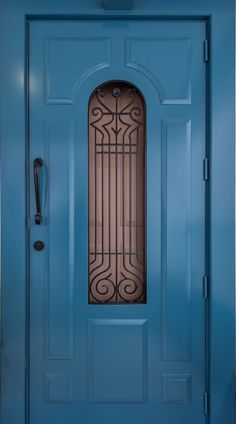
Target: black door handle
x=38, y=163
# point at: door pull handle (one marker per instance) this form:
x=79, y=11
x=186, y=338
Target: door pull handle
x=38, y=163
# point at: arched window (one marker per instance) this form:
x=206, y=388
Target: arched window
x=117, y=194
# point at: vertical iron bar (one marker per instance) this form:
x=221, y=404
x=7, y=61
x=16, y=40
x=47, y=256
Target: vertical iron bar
x=123, y=202
x=130, y=198
x=95, y=187
x=116, y=200
x=137, y=194
x=139, y=233
x=109, y=200
x=102, y=182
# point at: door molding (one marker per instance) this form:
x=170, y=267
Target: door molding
x=220, y=192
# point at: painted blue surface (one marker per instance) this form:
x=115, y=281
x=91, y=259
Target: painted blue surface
x=59, y=384
x=98, y=360
x=118, y=5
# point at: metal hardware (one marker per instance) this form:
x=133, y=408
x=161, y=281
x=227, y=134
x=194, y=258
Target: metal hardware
x=206, y=403
x=206, y=169
x=118, y=4
x=39, y=245
x=38, y=163
x=206, y=50
x=205, y=287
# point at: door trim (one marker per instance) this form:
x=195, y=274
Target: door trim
x=220, y=222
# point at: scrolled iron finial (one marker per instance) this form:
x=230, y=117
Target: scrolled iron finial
x=116, y=92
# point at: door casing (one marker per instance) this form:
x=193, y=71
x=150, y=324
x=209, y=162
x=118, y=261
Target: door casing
x=220, y=189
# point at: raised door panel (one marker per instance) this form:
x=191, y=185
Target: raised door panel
x=68, y=61
x=173, y=54
x=176, y=253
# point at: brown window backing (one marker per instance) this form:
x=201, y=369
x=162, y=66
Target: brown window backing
x=117, y=195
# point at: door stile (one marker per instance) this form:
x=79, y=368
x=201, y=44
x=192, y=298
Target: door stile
x=28, y=218
x=207, y=57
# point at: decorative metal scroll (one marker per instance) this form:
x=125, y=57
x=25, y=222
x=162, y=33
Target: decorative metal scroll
x=117, y=195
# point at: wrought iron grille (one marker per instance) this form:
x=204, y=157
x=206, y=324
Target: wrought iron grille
x=117, y=195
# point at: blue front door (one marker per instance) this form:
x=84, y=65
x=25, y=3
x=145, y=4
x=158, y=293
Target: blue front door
x=136, y=354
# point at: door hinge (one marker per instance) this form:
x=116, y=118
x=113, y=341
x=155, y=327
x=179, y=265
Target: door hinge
x=205, y=169
x=206, y=50
x=205, y=287
x=206, y=403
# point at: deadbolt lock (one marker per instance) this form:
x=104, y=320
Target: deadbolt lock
x=39, y=245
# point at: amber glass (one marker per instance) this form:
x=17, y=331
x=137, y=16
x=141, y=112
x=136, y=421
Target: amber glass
x=117, y=195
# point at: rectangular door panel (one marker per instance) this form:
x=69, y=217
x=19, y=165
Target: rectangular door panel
x=117, y=351
x=176, y=239
x=59, y=262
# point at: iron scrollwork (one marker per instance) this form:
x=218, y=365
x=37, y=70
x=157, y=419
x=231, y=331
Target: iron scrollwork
x=116, y=195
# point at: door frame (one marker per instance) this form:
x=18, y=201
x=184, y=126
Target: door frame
x=220, y=305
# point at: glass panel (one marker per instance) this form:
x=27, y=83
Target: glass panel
x=117, y=195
